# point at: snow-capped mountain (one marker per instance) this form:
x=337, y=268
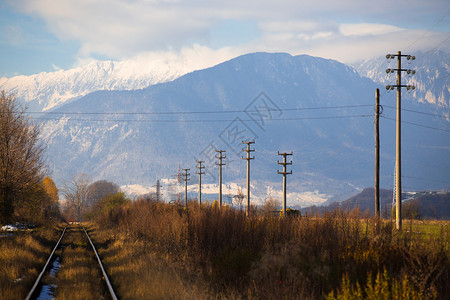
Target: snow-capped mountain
x=47, y=91
x=432, y=78
x=320, y=109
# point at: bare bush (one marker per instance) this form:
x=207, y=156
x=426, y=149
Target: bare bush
x=76, y=195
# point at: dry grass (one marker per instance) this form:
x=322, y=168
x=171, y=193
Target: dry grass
x=79, y=276
x=137, y=273
x=169, y=252
x=22, y=257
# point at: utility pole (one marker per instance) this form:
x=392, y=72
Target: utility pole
x=200, y=172
x=377, y=153
x=284, y=173
x=158, y=191
x=398, y=162
x=248, y=158
x=185, y=179
x=220, y=164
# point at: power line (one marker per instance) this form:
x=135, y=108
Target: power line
x=427, y=179
x=199, y=112
x=421, y=178
x=429, y=30
x=443, y=42
x=200, y=121
x=418, y=112
x=415, y=124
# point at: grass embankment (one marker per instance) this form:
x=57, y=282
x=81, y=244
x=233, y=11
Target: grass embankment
x=22, y=257
x=163, y=251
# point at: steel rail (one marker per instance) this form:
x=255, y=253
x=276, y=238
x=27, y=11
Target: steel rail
x=36, y=283
x=108, y=283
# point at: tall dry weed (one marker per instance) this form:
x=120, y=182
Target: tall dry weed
x=22, y=257
x=292, y=257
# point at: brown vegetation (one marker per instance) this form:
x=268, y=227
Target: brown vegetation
x=220, y=252
x=22, y=257
x=21, y=164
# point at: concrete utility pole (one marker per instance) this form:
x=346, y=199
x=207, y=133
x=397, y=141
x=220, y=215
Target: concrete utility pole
x=398, y=162
x=200, y=172
x=377, y=153
x=220, y=164
x=284, y=173
x=248, y=158
x=185, y=179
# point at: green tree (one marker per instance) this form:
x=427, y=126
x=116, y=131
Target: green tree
x=99, y=190
x=34, y=205
x=21, y=155
x=104, y=210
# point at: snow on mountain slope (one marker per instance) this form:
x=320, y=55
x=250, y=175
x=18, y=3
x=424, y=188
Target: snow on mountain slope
x=432, y=78
x=46, y=91
x=134, y=143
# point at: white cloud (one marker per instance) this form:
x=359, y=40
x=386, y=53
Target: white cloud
x=364, y=29
x=56, y=68
x=346, y=30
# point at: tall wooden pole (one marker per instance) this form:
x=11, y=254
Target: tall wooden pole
x=377, y=153
x=398, y=163
x=284, y=163
x=248, y=158
x=220, y=164
x=185, y=179
x=200, y=172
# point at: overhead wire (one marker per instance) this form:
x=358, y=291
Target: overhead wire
x=64, y=115
x=418, y=112
x=415, y=124
x=203, y=121
x=426, y=179
x=202, y=112
x=429, y=30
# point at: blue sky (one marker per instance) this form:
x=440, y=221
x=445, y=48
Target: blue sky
x=47, y=35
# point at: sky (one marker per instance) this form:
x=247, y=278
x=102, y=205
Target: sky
x=49, y=35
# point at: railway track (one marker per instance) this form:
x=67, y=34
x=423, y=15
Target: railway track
x=67, y=252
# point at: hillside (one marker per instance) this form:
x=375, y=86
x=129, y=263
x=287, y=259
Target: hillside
x=430, y=205
x=320, y=109
x=434, y=205
x=47, y=91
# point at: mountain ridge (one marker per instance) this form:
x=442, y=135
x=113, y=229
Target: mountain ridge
x=333, y=147
x=48, y=90
x=431, y=78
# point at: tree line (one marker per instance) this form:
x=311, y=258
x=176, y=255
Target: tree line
x=26, y=192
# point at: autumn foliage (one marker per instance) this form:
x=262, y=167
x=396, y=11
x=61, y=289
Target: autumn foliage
x=23, y=194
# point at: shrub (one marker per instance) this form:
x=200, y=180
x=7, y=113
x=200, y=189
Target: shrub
x=107, y=211
x=265, y=256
